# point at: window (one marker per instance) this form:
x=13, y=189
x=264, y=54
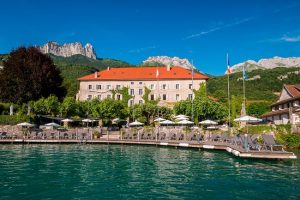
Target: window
x=118, y=87
x=164, y=86
x=90, y=87
x=152, y=97
x=89, y=97
x=152, y=86
x=190, y=97
x=132, y=83
x=140, y=83
x=98, y=87
x=118, y=97
x=131, y=91
x=177, y=86
x=108, y=87
x=131, y=102
x=99, y=97
x=190, y=86
x=109, y=96
x=164, y=97
x=140, y=91
x=140, y=101
x=177, y=97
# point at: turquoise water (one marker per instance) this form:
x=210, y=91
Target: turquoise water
x=140, y=172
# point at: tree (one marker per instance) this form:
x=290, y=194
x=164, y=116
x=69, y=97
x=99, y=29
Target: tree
x=52, y=105
x=29, y=75
x=68, y=107
x=258, y=108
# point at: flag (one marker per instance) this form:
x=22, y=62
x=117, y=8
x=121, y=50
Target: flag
x=157, y=72
x=228, y=65
x=245, y=77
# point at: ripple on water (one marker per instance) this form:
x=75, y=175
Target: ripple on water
x=139, y=172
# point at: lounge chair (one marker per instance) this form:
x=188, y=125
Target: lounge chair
x=253, y=145
x=173, y=136
x=3, y=135
x=191, y=137
x=162, y=136
x=270, y=143
x=180, y=136
x=199, y=137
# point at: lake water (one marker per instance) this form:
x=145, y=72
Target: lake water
x=140, y=172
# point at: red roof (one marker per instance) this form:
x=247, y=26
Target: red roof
x=143, y=73
x=293, y=90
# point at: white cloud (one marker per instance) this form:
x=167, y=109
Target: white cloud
x=286, y=38
x=219, y=27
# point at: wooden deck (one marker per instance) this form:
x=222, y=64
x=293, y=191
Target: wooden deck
x=232, y=149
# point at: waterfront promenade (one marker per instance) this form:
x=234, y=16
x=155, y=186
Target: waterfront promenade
x=240, y=146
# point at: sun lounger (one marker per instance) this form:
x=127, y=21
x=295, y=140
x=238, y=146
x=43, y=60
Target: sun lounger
x=180, y=136
x=162, y=136
x=172, y=136
x=270, y=143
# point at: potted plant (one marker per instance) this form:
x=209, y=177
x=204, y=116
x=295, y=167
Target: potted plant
x=96, y=134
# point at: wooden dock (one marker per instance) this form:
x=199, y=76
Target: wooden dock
x=232, y=149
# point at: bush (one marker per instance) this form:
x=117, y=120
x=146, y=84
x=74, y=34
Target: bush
x=13, y=119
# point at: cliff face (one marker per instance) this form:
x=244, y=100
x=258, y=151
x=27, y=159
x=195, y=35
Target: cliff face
x=165, y=60
x=69, y=49
x=267, y=64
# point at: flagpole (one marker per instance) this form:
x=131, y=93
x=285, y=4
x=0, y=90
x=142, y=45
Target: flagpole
x=192, y=91
x=244, y=90
x=157, y=84
x=228, y=87
x=243, y=111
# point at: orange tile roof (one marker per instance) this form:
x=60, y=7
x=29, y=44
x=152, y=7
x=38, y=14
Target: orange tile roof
x=143, y=73
x=293, y=90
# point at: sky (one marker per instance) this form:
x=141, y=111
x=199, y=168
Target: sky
x=202, y=31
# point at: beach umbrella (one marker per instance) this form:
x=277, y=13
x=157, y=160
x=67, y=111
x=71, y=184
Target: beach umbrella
x=52, y=124
x=87, y=120
x=136, y=123
x=185, y=122
x=181, y=116
x=166, y=122
x=247, y=119
x=67, y=120
x=159, y=119
x=208, y=122
x=25, y=124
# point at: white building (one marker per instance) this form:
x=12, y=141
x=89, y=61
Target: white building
x=287, y=108
x=169, y=84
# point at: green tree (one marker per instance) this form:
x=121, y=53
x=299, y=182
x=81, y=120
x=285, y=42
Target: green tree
x=39, y=107
x=68, y=107
x=29, y=75
x=258, y=108
x=52, y=105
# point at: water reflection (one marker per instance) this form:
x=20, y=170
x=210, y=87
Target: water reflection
x=138, y=172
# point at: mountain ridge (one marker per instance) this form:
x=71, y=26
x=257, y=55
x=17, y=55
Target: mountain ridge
x=266, y=63
x=68, y=49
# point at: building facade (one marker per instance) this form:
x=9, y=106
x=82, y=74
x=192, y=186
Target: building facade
x=287, y=108
x=169, y=84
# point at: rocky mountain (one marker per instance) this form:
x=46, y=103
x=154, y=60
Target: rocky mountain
x=68, y=49
x=165, y=60
x=269, y=63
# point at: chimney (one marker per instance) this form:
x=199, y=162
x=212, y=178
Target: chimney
x=96, y=74
x=108, y=68
x=168, y=67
